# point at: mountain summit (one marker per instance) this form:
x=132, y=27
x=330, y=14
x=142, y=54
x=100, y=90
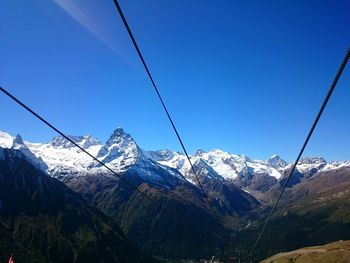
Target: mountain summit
x=120, y=149
x=277, y=162
x=18, y=144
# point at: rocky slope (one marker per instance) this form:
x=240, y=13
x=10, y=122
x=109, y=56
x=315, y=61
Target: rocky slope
x=313, y=212
x=181, y=222
x=41, y=220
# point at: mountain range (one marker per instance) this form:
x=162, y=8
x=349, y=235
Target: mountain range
x=60, y=158
x=180, y=222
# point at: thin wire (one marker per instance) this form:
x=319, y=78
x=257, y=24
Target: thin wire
x=70, y=140
x=323, y=106
x=156, y=89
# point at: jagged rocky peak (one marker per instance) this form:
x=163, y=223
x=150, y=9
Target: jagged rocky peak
x=203, y=168
x=120, y=132
x=60, y=142
x=119, y=144
x=17, y=142
x=276, y=161
x=313, y=160
x=199, y=153
x=245, y=158
x=83, y=141
x=88, y=141
x=200, y=164
x=120, y=139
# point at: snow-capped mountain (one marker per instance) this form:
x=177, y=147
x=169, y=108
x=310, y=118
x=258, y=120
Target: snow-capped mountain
x=276, y=162
x=83, y=141
x=120, y=150
x=18, y=144
x=63, y=158
x=6, y=140
x=60, y=158
x=236, y=187
x=229, y=166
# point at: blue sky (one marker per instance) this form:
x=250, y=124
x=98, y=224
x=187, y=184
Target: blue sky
x=243, y=76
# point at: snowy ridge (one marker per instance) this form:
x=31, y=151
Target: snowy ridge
x=60, y=158
x=18, y=144
x=335, y=165
x=64, y=160
x=228, y=166
x=83, y=141
x=6, y=140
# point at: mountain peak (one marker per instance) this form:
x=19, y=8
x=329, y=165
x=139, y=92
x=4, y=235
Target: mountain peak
x=83, y=141
x=204, y=169
x=312, y=160
x=120, y=137
x=120, y=132
x=61, y=142
x=199, y=152
x=276, y=162
x=17, y=142
x=120, y=149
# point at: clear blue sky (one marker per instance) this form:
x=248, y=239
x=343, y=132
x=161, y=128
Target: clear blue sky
x=244, y=76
